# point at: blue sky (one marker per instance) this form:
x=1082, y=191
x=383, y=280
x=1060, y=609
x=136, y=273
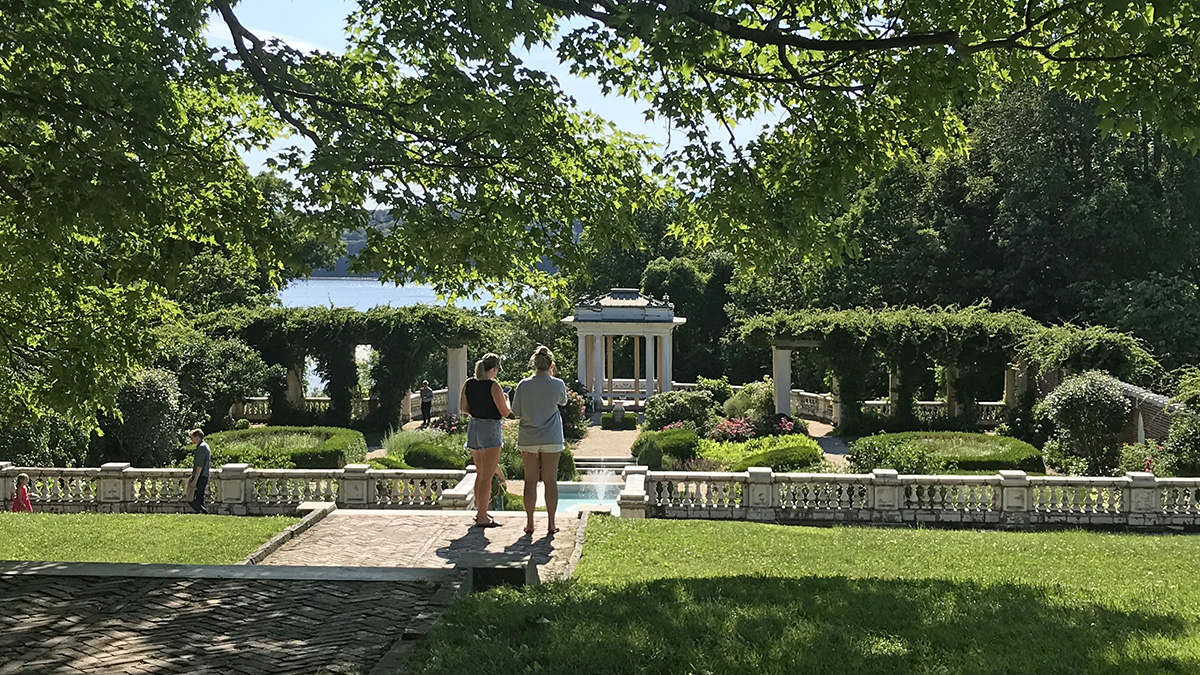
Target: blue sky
x=318, y=24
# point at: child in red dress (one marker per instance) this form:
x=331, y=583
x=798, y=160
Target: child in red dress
x=21, y=498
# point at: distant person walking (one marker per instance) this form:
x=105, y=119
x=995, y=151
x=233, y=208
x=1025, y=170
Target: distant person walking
x=484, y=400
x=20, y=503
x=201, y=462
x=540, y=435
x=426, y=403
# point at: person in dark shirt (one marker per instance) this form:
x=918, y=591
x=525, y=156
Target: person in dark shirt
x=201, y=462
x=484, y=400
x=426, y=403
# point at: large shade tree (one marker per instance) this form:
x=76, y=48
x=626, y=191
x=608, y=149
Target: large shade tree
x=120, y=127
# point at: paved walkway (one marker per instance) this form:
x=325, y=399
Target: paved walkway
x=605, y=443
x=835, y=448
x=363, y=538
x=88, y=624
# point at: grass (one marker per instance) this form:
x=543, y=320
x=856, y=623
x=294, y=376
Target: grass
x=658, y=596
x=134, y=538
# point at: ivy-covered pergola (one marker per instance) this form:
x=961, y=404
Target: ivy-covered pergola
x=403, y=337
x=967, y=343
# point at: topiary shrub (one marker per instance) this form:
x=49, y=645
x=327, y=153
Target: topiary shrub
x=669, y=407
x=149, y=430
x=433, y=456
x=756, y=399
x=651, y=455
x=629, y=422
x=681, y=444
x=574, y=416
x=241, y=425
x=720, y=389
x=387, y=462
x=566, y=466
x=608, y=421
x=889, y=452
x=643, y=439
x=1183, y=445
x=1087, y=411
x=805, y=454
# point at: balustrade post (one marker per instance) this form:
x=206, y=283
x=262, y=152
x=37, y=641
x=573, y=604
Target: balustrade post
x=1141, y=500
x=8, y=475
x=233, y=484
x=1016, y=498
x=113, y=486
x=633, y=499
x=887, y=496
x=762, y=494
x=461, y=496
x=354, y=486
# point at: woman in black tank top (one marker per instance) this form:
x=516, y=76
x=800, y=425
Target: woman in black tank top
x=483, y=399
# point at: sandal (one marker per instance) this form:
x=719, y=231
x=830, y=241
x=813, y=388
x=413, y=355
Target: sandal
x=552, y=530
x=491, y=523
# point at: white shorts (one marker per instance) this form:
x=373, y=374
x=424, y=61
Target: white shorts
x=541, y=449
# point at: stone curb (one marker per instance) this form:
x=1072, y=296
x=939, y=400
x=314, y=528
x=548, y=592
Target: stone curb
x=276, y=572
x=316, y=512
x=580, y=537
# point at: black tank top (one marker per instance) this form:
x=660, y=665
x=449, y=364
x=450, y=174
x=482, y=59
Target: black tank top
x=480, y=401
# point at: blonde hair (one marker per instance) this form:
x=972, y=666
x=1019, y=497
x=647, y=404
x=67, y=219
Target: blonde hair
x=22, y=479
x=488, y=362
x=542, y=358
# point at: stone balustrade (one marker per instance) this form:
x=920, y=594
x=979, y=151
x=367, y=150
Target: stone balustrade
x=235, y=489
x=1009, y=499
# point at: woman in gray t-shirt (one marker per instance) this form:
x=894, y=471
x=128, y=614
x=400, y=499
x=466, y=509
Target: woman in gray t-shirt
x=540, y=434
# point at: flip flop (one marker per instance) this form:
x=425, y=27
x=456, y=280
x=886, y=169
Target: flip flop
x=552, y=530
x=491, y=524
x=528, y=531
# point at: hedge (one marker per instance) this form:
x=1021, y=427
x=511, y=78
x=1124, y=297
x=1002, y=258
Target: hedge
x=335, y=448
x=678, y=443
x=628, y=422
x=805, y=454
x=990, y=453
x=425, y=455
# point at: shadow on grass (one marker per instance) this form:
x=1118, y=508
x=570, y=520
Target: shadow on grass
x=809, y=625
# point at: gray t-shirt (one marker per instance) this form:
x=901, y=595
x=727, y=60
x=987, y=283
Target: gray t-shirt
x=202, y=457
x=536, y=403
x=426, y=395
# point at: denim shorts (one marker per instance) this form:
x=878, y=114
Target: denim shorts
x=483, y=434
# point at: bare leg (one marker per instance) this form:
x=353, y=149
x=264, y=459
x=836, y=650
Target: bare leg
x=532, y=470
x=549, y=462
x=486, y=461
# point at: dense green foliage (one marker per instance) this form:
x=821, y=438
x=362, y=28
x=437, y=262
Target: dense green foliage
x=756, y=400
x=720, y=388
x=1087, y=411
x=135, y=538
x=678, y=444
x=609, y=421
x=803, y=455
x=694, y=408
x=725, y=455
x=1149, y=456
x=959, y=451
x=1094, y=348
x=149, y=428
x=836, y=600
x=276, y=447
x=433, y=456
x=49, y=441
x=1183, y=445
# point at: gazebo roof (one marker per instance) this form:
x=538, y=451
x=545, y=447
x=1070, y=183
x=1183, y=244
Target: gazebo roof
x=624, y=305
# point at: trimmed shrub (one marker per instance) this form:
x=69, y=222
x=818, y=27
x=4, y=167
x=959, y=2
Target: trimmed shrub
x=387, y=462
x=886, y=451
x=651, y=455
x=1148, y=456
x=680, y=444
x=1183, y=444
x=433, y=456
x=241, y=425
x=629, y=422
x=1087, y=412
x=150, y=428
x=643, y=439
x=574, y=416
x=680, y=406
x=756, y=399
x=566, y=465
x=796, y=457
x=286, y=447
x=608, y=421
x=972, y=452
x=720, y=389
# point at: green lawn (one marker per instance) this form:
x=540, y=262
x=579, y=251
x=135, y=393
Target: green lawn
x=134, y=538
x=659, y=596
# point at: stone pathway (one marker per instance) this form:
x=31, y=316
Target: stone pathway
x=604, y=443
x=87, y=624
x=427, y=539
x=835, y=447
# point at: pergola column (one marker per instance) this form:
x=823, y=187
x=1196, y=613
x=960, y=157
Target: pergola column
x=668, y=357
x=597, y=368
x=456, y=376
x=649, y=366
x=894, y=389
x=1010, y=386
x=295, y=387
x=781, y=373
x=950, y=372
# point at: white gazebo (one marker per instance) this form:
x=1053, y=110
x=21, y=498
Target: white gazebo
x=624, y=311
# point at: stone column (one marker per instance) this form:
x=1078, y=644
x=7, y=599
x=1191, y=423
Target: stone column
x=951, y=374
x=597, y=369
x=1023, y=383
x=354, y=486
x=781, y=372
x=233, y=488
x=894, y=389
x=406, y=407
x=295, y=387
x=668, y=356
x=581, y=360
x=1141, y=426
x=608, y=366
x=633, y=498
x=110, y=486
x=637, y=382
x=456, y=375
x=1010, y=386
x=835, y=393
x=650, y=366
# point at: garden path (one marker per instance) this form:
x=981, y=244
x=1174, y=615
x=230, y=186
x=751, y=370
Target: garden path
x=426, y=539
x=834, y=447
x=605, y=443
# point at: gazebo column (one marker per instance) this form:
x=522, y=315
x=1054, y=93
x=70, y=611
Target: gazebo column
x=649, y=366
x=581, y=361
x=668, y=357
x=608, y=367
x=597, y=368
x=781, y=373
x=636, y=374
x=456, y=375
